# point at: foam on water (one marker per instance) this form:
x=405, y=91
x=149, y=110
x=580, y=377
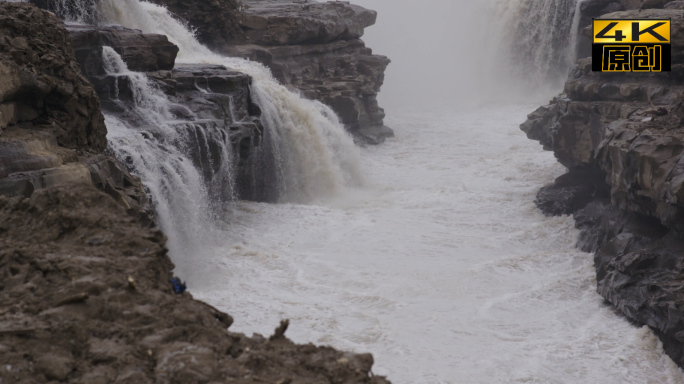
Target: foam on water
x=444, y=269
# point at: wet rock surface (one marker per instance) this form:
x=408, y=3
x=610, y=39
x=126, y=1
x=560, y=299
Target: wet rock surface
x=142, y=52
x=283, y=22
x=85, y=297
x=217, y=21
x=620, y=135
x=315, y=48
x=51, y=127
x=210, y=102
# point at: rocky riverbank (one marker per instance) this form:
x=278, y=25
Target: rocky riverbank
x=86, y=293
x=621, y=138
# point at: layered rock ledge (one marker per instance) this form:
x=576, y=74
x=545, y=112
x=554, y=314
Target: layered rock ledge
x=621, y=138
x=315, y=48
x=311, y=47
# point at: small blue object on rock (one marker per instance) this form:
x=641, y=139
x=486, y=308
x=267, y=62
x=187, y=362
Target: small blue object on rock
x=178, y=286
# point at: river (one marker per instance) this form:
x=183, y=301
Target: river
x=442, y=266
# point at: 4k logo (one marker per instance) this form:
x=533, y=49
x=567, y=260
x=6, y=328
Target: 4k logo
x=631, y=45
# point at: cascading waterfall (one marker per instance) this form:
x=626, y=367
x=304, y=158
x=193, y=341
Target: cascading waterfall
x=161, y=154
x=313, y=155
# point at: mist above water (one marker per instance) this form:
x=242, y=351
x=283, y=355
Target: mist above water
x=465, y=53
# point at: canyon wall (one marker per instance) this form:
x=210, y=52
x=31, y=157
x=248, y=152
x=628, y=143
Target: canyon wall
x=86, y=285
x=620, y=135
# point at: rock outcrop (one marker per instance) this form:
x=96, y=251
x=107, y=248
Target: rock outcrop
x=315, y=48
x=51, y=126
x=86, y=298
x=141, y=52
x=622, y=138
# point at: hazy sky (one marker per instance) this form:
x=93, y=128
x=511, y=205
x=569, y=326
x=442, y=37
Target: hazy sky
x=431, y=45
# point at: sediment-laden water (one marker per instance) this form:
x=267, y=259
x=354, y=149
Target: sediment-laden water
x=443, y=267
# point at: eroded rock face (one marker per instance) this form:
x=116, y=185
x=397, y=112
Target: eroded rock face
x=209, y=102
x=41, y=87
x=141, y=52
x=51, y=128
x=86, y=298
x=622, y=138
x=314, y=48
x=217, y=21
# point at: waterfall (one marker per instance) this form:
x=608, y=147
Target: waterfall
x=536, y=39
x=162, y=153
x=315, y=157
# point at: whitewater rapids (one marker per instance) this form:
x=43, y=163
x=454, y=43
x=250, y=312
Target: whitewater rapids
x=444, y=269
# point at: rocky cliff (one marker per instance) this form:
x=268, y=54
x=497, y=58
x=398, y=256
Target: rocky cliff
x=86, y=298
x=316, y=48
x=621, y=138
x=51, y=126
x=311, y=47
x=85, y=284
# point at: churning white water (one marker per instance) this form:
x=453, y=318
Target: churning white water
x=444, y=269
